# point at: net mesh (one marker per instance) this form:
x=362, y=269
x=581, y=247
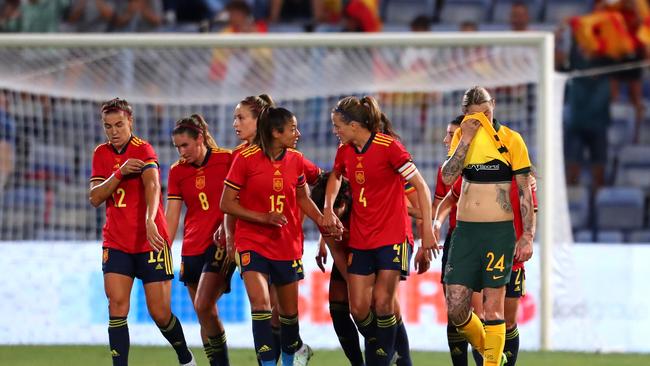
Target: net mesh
x=50, y=98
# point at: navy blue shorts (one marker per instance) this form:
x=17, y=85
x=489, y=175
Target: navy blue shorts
x=147, y=266
x=517, y=286
x=279, y=272
x=212, y=260
x=396, y=257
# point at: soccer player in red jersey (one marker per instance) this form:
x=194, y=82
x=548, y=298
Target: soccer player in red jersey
x=376, y=165
x=125, y=176
x=197, y=180
x=264, y=188
x=516, y=288
x=245, y=126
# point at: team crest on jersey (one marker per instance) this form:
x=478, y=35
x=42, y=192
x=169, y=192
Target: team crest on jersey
x=245, y=259
x=105, y=256
x=360, y=176
x=278, y=184
x=199, y=183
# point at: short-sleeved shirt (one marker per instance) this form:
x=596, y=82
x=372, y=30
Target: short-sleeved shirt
x=441, y=191
x=200, y=187
x=266, y=186
x=376, y=174
x=485, y=162
x=312, y=171
x=126, y=208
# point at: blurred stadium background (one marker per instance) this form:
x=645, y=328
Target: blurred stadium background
x=598, y=208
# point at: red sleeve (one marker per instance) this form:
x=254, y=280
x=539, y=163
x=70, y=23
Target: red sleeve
x=99, y=171
x=147, y=154
x=339, y=164
x=455, y=189
x=302, y=180
x=441, y=188
x=311, y=170
x=236, y=178
x=400, y=160
x=173, y=187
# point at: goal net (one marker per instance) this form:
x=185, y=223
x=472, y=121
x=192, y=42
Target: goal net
x=51, y=89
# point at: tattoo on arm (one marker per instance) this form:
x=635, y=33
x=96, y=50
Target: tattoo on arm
x=452, y=168
x=503, y=199
x=526, y=203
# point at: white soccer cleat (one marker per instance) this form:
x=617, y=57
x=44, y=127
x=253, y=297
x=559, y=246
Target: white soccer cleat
x=192, y=361
x=302, y=356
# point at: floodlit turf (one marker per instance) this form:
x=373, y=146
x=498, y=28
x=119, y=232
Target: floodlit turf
x=146, y=356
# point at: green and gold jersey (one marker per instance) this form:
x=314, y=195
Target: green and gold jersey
x=496, y=153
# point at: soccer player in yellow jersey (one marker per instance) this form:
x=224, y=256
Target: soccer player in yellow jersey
x=488, y=155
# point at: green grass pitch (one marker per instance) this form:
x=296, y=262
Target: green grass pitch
x=160, y=356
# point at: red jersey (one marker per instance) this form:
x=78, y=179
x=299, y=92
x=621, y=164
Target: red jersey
x=516, y=211
x=200, y=187
x=266, y=186
x=376, y=175
x=125, y=227
x=408, y=188
x=441, y=191
x=312, y=171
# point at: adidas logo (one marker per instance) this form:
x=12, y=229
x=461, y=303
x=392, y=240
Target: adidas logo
x=159, y=266
x=180, y=343
x=294, y=345
x=264, y=348
x=114, y=353
x=381, y=352
x=456, y=351
x=396, y=260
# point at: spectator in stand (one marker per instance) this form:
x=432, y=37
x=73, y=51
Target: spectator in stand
x=585, y=129
x=42, y=16
x=361, y=16
x=632, y=77
x=420, y=23
x=137, y=16
x=10, y=16
x=468, y=26
x=290, y=10
x=188, y=15
x=240, y=19
x=519, y=17
x=91, y=16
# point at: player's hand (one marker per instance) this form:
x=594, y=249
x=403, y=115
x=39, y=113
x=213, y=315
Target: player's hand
x=469, y=128
x=275, y=219
x=524, y=248
x=330, y=225
x=436, y=231
x=429, y=243
x=131, y=166
x=219, y=236
x=321, y=258
x=422, y=263
x=153, y=236
x=230, y=248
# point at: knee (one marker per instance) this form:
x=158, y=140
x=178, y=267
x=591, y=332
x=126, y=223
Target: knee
x=358, y=311
x=118, y=307
x=384, y=304
x=160, y=316
x=260, y=303
x=203, y=308
x=457, y=315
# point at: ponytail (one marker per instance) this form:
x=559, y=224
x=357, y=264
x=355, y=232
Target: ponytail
x=193, y=126
x=366, y=112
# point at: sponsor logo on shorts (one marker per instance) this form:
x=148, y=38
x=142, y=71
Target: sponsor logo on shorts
x=159, y=266
x=246, y=260
x=497, y=277
x=105, y=255
x=350, y=259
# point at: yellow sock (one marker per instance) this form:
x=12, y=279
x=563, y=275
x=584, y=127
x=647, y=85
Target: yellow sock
x=474, y=332
x=495, y=339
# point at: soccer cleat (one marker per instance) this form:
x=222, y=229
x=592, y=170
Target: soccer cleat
x=192, y=361
x=302, y=356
